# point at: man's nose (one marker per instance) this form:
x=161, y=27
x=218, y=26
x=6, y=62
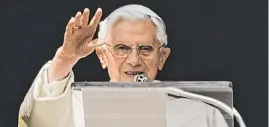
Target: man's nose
x=134, y=59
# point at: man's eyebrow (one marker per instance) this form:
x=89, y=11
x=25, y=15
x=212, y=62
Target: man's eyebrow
x=146, y=43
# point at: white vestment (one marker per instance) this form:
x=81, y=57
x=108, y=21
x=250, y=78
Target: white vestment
x=56, y=105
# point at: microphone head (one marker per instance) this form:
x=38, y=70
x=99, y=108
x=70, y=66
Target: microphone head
x=141, y=78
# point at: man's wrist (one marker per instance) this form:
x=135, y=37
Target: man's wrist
x=64, y=59
x=60, y=66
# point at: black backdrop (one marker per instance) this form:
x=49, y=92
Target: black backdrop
x=210, y=40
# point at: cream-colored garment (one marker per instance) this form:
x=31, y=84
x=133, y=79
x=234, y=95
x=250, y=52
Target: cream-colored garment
x=56, y=105
x=53, y=104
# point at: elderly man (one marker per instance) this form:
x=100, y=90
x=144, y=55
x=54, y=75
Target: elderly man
x=131, y=40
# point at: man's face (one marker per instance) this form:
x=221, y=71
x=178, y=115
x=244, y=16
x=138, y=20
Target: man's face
x=122, y=57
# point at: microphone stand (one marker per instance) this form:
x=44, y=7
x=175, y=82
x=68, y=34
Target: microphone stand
x=231, y=111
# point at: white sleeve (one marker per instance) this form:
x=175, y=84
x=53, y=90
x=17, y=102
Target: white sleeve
x=48, y=105
x=46, y=91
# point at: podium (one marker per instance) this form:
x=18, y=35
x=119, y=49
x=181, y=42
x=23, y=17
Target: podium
x=150, y=104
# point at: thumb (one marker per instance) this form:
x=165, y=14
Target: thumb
x=94, y=44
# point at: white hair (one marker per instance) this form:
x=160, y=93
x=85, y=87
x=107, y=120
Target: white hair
x=133, y=12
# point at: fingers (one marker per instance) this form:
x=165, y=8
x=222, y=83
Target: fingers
x=96, y=19
x=85, y=17
x=81, y=20
x=77, y=19
x=70, y=25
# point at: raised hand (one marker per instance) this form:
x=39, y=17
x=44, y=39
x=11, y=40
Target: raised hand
x=78, y=43
x=78, y=38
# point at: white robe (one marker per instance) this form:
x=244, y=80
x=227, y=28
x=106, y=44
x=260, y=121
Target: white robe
x=56, y=105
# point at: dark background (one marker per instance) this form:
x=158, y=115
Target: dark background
x=210, y=40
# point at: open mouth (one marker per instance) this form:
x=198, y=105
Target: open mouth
x=134, y=72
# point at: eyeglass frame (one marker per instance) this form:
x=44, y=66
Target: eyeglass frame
x=132, y=48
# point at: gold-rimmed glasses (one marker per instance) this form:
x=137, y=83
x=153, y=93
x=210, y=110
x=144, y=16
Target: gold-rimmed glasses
x=144, y=51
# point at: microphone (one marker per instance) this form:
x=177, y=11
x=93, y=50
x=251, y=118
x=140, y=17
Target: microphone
x=143, y=78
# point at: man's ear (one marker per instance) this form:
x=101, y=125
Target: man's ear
x=165, y=52
x=100, y=52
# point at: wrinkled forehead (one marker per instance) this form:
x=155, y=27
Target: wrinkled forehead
x=133, y=32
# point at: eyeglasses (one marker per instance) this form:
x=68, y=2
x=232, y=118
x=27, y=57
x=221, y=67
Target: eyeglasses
x=144, y=51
